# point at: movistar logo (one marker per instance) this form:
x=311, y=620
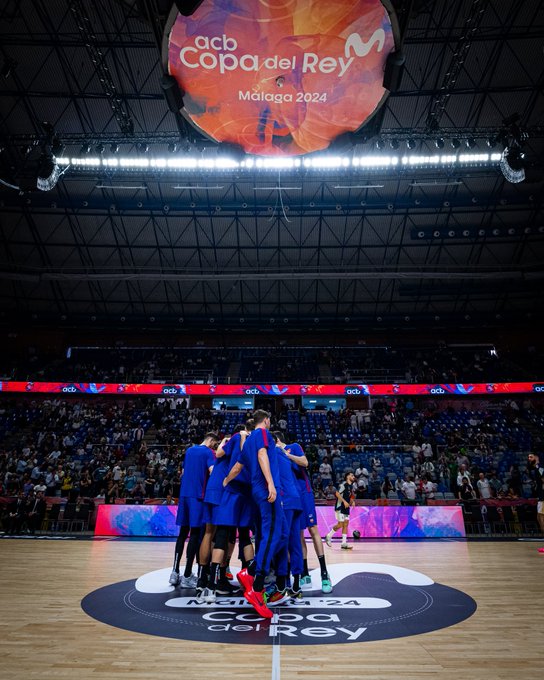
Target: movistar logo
x=361, y=47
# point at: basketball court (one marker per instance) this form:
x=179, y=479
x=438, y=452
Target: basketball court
x=47, y=634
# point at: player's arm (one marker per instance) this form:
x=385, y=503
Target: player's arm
x=243, y=436
x=299, y=460
x=234, y=472
x=220, y=452
x=264, y=463
x=341, y=499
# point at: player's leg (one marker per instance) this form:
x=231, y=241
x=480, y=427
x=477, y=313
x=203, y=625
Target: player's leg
x=218, y=555
x=338, y=525
x=326, y=584
x=232, y=546
x=278, y=593
x=296, y=556
x=183, y=520
x=178, y=554
x=271, y=521
x=345, y=545
x=540, y=515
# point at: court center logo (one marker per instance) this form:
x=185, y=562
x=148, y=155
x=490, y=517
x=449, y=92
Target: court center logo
x=370, y=602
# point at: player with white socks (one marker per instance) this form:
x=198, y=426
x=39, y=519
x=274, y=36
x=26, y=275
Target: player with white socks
x=344, y=501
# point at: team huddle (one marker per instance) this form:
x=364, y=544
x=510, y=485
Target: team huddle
x=251, y=482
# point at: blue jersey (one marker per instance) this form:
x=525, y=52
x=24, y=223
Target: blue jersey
x=214, y=487
x=301, y=473
x=241, y=484
x=289, y=493
x=198, y=460
x=260, y=439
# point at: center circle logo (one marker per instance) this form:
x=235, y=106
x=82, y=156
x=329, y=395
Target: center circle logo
x=369, y=602
x=284, y=77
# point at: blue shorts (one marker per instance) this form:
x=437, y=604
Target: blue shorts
x=308, y=517
x=207, y=515
x=190, y=512
x=213, y=496
x=235, y=511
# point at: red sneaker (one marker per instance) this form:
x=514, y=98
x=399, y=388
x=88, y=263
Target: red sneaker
x=229, y=575
x=245, y=579
x=541, y=550
x=255, y=599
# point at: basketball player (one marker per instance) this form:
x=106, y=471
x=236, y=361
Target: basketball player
x=232, y=510
x=344, y=501
x=308, y=516
x=260, y=458
x=212, y=499
x=196, y=466
x=536, y=476
x=290, y=552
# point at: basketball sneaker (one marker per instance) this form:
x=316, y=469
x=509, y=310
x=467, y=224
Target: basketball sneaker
x=326, y=585
x=174, y=579
x=328, y=540
x=209, y=596
x=188, y=581
x=276, y=597
x=295, y=595
x=345, y=546
x=245, y=579
x=226, y=588
x=200, y=595
x=306, y=582
x=228, y=574
x=255, y=599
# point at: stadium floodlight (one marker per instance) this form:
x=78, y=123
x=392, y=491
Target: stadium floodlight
x=279, y=163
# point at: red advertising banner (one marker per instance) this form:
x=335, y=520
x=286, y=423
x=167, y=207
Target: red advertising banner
x=284, y=77
x=288, y=390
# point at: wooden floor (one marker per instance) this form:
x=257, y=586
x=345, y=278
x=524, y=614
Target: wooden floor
x=45, y=633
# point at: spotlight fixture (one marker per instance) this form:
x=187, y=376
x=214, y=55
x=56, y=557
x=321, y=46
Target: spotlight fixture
x=512, y=165
x=439, y=143
x=491, y=142
x=394, y=144
x=114, y=148
x=471, y=143
x=142, y=147
x=380, y=144
x=172, y=148
x=99, y=148
x=85, y=149
x=411, y=144
x=455, y=143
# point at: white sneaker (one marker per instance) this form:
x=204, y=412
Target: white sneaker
x=174, y=578
x=209, y=595
x=188, y=581
x=328, y=540
x=200, y=595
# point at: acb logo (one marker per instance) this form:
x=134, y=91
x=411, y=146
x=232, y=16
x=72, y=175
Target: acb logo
x=170, y=390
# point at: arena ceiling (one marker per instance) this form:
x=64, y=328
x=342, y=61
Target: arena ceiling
x=350, y=248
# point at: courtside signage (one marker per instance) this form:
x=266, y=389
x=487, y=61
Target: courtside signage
x=369, y=602
x=284, y=77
